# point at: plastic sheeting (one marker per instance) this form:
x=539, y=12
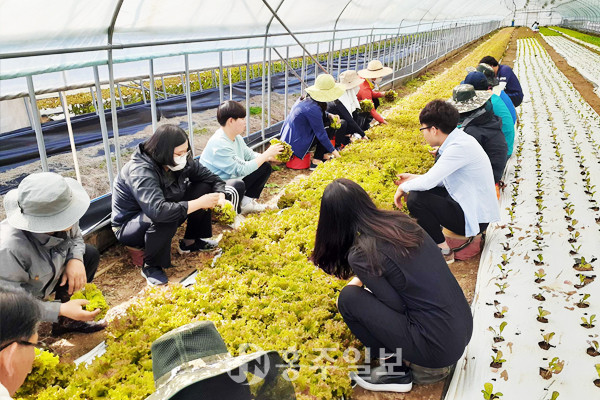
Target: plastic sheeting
x=558, y=132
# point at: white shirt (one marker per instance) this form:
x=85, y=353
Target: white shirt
x=465, y=171
x=4, y=395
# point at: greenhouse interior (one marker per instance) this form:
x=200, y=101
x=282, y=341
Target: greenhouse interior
x=172, y=174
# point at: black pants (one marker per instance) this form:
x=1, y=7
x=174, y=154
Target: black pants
x=340, y=135
x=435, y=208
x=362, y=119
x=155, y=238
x=91, y=259
x=253, y=184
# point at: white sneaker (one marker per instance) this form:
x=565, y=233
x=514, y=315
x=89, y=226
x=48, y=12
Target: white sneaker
x=253, y=206
x=237, y=221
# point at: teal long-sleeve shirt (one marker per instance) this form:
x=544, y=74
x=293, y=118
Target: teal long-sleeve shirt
x=229, y=159
x=508, y=127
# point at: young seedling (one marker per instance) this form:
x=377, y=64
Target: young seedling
x=539, y=275
x=554, y=395
x=538, y=245
x=597, y=381
x=574, y=236
x=503, y=271
x=545, y=344
x=588, y=323
x=498, y=335
x=488, y=392
x=497, y=360
x=542, y=315
x=501, y=287
x=584, y=280
x=582, y=265
x=574, y=249
x=594, y=348
x=555, y=366
x=582, y=303
x=499, y=312
x=539, y=297
x=505, y=259
x=539, y=261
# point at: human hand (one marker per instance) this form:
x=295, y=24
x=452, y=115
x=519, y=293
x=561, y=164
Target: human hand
x=221, y=201
x=404, y=177
x=73, y=309
x=335, y=154
x=209, y=200
x=75, y=275
x=384, y=122
x=272, y=151
x=399, y=196
x=434, y=150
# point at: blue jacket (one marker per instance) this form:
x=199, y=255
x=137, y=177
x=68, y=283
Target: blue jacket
x=508, y=127
x=513, y=86
x=304, y=122
x=511, y=107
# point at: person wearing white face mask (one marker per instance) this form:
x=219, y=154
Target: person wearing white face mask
x=345, y=106
x=158, y=190
x=373, y=74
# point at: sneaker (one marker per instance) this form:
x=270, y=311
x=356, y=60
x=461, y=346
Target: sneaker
x=198, y=245
x=426, y=376
x=253, y=206
x=312, y=167
x=237, y=221
x=448, y=255
x=155, y=276
x=381, y=379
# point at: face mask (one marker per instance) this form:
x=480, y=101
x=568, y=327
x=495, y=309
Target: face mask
x=378, y=80
x=179, y=163
x=356, y=90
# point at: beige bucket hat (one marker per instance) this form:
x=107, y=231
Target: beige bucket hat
x=465, y=98
x=375, y=69
x=46, y=202
x=325, y=89
x=350, y=79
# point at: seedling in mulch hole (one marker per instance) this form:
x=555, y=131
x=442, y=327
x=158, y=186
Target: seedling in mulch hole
x=574, y=249
x=539, y=261
x=555, y=366
x=540, y=274
x=571, y=227
x=588, y=323
x=503, y=271
x=506, y=246
x=505, y=259
x=583, y=303
x=545, y=344
x=497, y=360
x=574, y=236
x=593, y=349
x=499, y=312
x=498, y=335
x=511, y=214
x=538, y=245
x=582, y=265
x=488, y=392
x=542, y=315
x=554, y=395
x=584, y=280
x=501, y=287
x=511, y=232
x=539, y=297
x=597, y=381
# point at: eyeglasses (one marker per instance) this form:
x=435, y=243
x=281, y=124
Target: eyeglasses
x=187, y=153
x=21, y=342
x=426, y=127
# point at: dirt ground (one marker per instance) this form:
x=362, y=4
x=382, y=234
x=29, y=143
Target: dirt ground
x=122, y=283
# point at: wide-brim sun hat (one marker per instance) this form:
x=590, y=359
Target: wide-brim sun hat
x=375, y=69
x=195, y=354
x=465, y=98
x=46, y=202
x=350, y=79
x=325, y=89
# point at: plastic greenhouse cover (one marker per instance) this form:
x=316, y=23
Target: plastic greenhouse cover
x=38, y=25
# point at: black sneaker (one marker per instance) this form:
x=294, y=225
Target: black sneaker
x=383, y=379
x=312, y=167
x=155, y=276
x=198, y=245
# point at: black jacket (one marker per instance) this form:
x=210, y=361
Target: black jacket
x=144, y=185
x=487, y=129
x=336, y=107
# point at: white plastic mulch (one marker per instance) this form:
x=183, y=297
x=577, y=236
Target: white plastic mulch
x=558, y=144
x=586, y=62
x=591, y=46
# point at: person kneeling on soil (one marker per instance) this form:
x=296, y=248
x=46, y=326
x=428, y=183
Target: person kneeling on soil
x=227, y=155
x=458, y=191
x=344, y=107
x=158, y=190
x=477, y=118
x=305, y=127
x=42, y=248
x=373, y=74
x=404, y=304
x=19, y=319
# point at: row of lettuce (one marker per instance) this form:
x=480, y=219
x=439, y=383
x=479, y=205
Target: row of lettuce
x=263, y=290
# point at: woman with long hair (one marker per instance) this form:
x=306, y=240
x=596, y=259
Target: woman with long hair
x=403, y=303
x=160, y=188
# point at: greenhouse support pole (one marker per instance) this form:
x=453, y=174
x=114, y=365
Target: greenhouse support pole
x=113, y=110
x=199, y=81
x=357, y=54
x=316, y=66
x=37, y=125
x=188, y=102
x=332, y=47
x=339, y=66
x=182, y=80
x=164, y=89
x=94, y=102
x=349, y=54
x=221, y=88
x=269, y=87
x=152, y=98
x=371, y=47
x=230, y=79
x=28, y=111
x=103, y=128
x=65, y=107
x=143, y=89
x=247, y=92
x=379, y=47
x=287, y=78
